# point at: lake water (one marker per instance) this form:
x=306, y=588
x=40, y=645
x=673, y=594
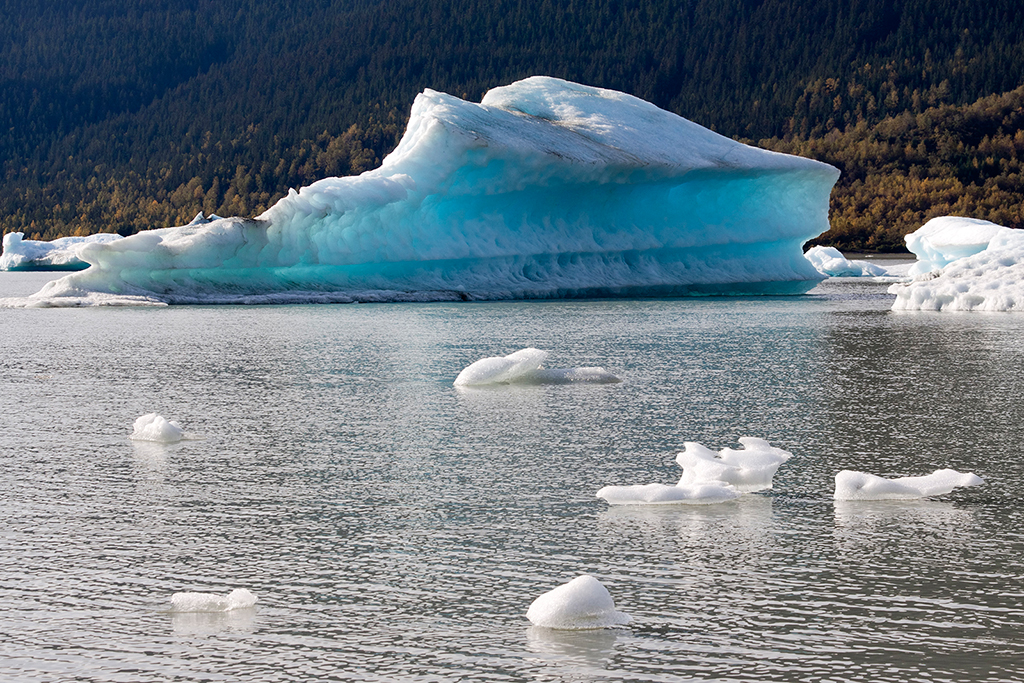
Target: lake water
x=395, y=528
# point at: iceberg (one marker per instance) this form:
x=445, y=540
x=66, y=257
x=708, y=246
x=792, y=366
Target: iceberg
x=852, y=485
x=749, y=469
x=545, y=189
x=240, y=598
x=583, y=603
x=704, y=493
x=989, y=276
x=830, y=262
x=60, y=254
x=945, y=239
x=153, y=427
x=526, y=367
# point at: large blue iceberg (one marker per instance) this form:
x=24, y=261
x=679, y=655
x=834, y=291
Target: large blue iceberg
x=545, y=189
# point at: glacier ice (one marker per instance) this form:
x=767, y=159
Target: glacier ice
x=945, y=239
x=852, y=485
x=830, y=262
x=526, y=367
x=153, y=427
x=544, y=189
x=240, y=598
x=967, y=265
x=708, y=477
x=749, y=469
x=583, y=603
x=59, y=254
x=703, y=493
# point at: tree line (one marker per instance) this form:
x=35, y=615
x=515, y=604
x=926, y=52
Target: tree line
x=121, y=116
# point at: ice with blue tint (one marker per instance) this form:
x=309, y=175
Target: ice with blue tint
x=964, y=265
x=830, y=262
x=544, y=189
x=945, y=239
x=526, y=366
x=59, y=254
x=852, y=485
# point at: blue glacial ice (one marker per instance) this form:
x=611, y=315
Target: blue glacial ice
x=545, y=189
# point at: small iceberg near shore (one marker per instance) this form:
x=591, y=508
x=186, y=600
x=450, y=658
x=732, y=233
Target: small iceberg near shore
x=583, y=603
x=852, y=485
x=240, y=598
x=526, y=367
x=153, y=427
x=830, y=262
x=964, y=265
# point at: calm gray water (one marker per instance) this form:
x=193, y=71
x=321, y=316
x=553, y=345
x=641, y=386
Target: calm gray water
x=395, y=528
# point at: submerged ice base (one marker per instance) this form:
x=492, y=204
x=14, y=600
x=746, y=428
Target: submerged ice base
x=544, y=189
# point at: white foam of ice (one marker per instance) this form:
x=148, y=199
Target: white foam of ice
x=153, y=427
x=583, y=603
x=240, y=598
x=748, y=469
x=526, y=367
x=852, y=485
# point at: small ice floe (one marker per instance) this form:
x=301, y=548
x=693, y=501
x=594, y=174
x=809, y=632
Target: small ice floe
x=240, y=598
x=662, y=494
x=749, y=469
x=830, y=261
x=153, y=427
x=583, y=603
x=526, y=367
x=852, y=485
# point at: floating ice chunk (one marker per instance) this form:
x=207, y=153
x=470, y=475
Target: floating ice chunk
x=990, y=280
x=502, y=369
x=852, y=485
x=662, y=494
x=749, y=469
x=583, y=603
x=945, y=239
x=525, y=367
x=153, y=427
x=545, y=189
x=830, y=262
x=240, y=598
x=60, y=254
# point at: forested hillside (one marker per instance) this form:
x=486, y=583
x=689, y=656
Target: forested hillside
x=120, y=116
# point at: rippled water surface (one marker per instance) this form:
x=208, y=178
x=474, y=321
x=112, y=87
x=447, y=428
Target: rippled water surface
x=395, y=528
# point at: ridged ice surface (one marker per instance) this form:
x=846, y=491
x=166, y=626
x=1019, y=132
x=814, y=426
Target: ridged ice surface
x=546, y=189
